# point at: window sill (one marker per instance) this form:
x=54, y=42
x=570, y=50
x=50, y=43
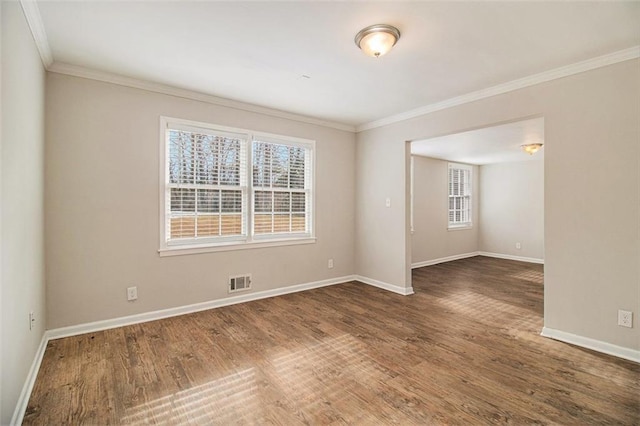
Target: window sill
x=459, y=228
x=231, y=246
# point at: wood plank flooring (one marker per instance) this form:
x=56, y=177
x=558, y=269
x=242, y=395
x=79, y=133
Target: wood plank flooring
x=465, y=349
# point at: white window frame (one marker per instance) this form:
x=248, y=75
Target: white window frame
x=248, y=241
x=467, y=224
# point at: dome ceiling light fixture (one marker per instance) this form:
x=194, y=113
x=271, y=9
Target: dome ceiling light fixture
x=531, y=148
x=376, y=40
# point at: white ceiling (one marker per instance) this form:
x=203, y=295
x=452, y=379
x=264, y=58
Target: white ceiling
x=259, y=52
x=497, y=144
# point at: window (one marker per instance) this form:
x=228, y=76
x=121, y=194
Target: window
x=205, y=186
x=281, y=191
x=459, y=196
x=230, y=188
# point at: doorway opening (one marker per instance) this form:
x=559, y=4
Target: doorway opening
x=478, y=193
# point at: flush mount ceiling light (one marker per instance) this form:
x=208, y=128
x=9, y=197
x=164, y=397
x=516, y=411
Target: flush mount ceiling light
x=531, y=148
x=376, y=40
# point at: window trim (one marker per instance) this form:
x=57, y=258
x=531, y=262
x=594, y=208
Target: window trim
x=465, y=225
x=249, y=241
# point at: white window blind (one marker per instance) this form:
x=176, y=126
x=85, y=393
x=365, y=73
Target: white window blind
x=206, y=184
x=231, y=187
x=459, y=195
x=281, y=188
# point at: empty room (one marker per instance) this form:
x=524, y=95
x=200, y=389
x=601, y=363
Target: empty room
x=309, y=212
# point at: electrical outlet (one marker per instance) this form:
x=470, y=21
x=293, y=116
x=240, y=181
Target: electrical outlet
x=625, y=318
x=518, y=246
x=387, y=202
x=132, y=293
x=330, y=264
x=32, y=320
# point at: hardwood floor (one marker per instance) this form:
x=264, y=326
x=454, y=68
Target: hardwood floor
x=465, y=349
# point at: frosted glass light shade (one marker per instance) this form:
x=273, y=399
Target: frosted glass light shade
x=531, y=148
x=376, y=40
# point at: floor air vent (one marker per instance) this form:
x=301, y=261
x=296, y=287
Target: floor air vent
x=239, y=283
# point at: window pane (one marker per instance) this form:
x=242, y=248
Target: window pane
x=263, y=223
x=298, y=223
x=181, y=157
x=281, y=202
x=208, y=225
x=218, y=160
x=231, y=201
x=183, y=227
x=298, y=202
x=229, y=157
x=263, y=201
x=231, y=224
x=297, y=168
x=208, y=170
x=183, y=200
x=280, y=166
x=281, y=223
x=208, y=200
x=261, y=164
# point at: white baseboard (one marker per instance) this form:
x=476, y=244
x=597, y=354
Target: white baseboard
x=596, y=345
x=444, y=259
x=23, y=400
x=475, y=253
x=405, y=291
x=91, y=327
x=510, y=257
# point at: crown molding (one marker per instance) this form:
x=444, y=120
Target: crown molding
x=92, y=74
x=34, y=19
x=578, y=67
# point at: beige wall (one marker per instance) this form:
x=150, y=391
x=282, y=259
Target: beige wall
x=592, y=159
x=380, y=174
x=431, y=239
x=102, y=202
x=508, y=207
x=512, y=209
x=21, y=204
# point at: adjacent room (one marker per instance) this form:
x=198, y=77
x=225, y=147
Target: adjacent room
x=479, y=192
x=316, y=212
